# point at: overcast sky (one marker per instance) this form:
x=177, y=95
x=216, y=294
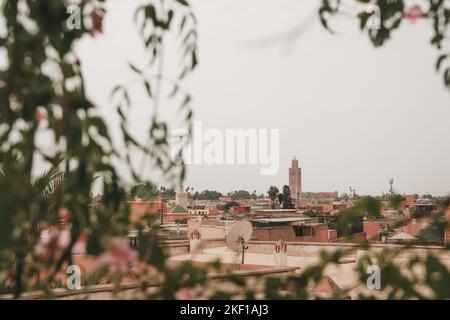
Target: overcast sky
x=352, y=114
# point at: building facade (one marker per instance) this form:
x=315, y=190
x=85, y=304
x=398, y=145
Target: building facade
x=139, y=208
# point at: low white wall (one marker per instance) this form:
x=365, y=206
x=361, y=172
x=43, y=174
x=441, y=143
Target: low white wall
x=213, y=232
x=313, y=249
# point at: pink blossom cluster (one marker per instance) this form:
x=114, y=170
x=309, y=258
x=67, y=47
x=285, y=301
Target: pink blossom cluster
x=119, y=255
x=413, y=13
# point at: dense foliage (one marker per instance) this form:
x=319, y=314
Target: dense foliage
x=207, y=195
x=42, y=93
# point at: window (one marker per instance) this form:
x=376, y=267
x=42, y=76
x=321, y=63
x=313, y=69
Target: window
x=298, y=232
x=302, y=231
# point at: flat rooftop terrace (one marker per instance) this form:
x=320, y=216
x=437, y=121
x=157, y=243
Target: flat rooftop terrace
x=342, y=273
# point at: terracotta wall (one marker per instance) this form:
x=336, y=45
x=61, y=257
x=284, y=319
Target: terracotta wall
x=409, y=200
x=325, y=208
x=415, y=225
x=139, y=208
x=240, y=209
x=172, y=217
x=321, y=234
x=371, y=229
x=285, y=233
x=332, y=234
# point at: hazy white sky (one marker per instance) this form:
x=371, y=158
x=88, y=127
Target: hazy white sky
x=352, y=114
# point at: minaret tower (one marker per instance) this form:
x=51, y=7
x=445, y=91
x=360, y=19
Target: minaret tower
x=181, y=197
x=295, y=180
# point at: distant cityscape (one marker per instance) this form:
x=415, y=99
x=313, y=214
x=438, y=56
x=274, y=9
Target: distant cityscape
x=291, y=226
x=291, y=214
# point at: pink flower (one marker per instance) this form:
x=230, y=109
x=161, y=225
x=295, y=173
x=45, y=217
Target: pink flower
x=185, y=293
x=40, y=114
x=51, y=242
x=63, y=215
x=413, y=13
x=64, y=239
x=97, y=23
x=119, y=256
x=79, y=248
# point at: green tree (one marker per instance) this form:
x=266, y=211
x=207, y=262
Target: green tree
x=144, y=191
x=273, y=194
x=280, y=199
x=369, y=206
x=207, y=195
x=395, y=201
x=239, y=195
x=42, y=89
x=346, y=221
x=229, y=204
x=287, y=200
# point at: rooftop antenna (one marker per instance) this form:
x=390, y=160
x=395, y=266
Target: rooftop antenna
x=391, y=182
x=239, y=235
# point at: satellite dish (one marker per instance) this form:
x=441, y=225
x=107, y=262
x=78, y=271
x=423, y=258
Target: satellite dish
x=239, y=235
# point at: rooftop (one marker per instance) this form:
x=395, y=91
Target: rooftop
x=278, y=210
x=178, y=209
x=288, y=219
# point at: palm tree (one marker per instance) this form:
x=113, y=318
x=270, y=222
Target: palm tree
x=273, y=193
x=45, y=188
x=287, y=200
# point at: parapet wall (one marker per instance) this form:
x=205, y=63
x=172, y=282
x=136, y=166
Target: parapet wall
x=180, y=247
x=135, y=290
x=306, y=249
x=313, y=249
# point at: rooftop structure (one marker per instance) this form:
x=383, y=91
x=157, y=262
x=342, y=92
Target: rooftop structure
x=181, y=197
x=280, y=220
x=326, y=288
x=295, y=180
